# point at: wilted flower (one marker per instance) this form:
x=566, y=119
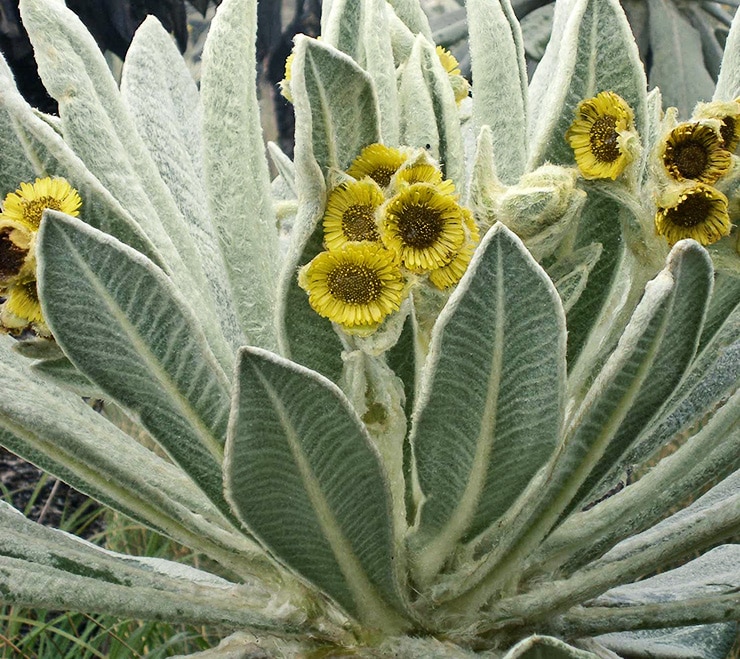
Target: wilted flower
x=598, y=136
x=728, y=115
x=695, y=211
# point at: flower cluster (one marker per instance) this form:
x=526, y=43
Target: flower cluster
x=691, y=158
x=393, y=219
x=19, y=221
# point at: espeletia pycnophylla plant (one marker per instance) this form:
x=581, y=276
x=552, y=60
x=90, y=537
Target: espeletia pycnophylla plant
x=461, y=380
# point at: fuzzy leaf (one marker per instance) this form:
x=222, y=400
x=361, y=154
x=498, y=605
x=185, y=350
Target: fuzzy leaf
x=163, y=100
x=678, y=63
x=14, y=166
x=302, y=474
x=97, y=126
x=51, y=156
x=490, y=405
x=361, y=29
x=121, y=322
x=237, y=175
x=500, y=74
x=429, y=115
x=728, y=81
x=581, y=65
x=49, y=569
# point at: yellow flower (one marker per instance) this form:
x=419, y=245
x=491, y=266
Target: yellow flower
x=356, y=286
x=350, y=213
x=695, y=151
x=423, y=227
x=377, y=161
x=728, y=115
x=460, y=85
x=21, y=307
x=598, y=136
x=448, y=275
x=16, y=258
x=27, y=204
x=694, y=210
x=422, y=173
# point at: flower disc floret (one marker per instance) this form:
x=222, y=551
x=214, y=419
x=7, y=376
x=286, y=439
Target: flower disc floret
x=695, y=151
x=351, y=213
x=423, y=227
x=695, y=211
x=356, y=286
x=27, y=204
x=377, y=161
x=598, y=136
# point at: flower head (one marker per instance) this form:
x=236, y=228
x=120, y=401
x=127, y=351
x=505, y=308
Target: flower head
x=356, y=286
x=694, y=210
x=695, y=151
x=16, y=242
x=598, y=135
x=27, y=204
x=351, y=212
x=460, y=85
x=377, y=161
x=422, y=173
x=423, y=227
x=21, y=307
x=728, y=115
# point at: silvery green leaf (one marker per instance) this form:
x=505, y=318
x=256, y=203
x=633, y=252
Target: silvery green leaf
x=162, y=97
x=678, y=63
x=38, y=348
x=711, y=454
x=500, y=74
x=338, y=103
x=361, y=29
x=284, y=166
x=725, y=299
x=122, y=323
x=101, y=131
x=728, y=81
x=429, y=116
x=697, y=642
x=61, y=434
x=301, y=473
x=654, y=130
x=583, y=64
x=237, y=175
x=46, y=568
x=570, y=274
x=14, y=166
x=490, y=404
x=413, y=16
x=51, y=156
x=671, y=356
x=65, y=375
x=546, y=647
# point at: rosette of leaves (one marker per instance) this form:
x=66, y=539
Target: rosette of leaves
x=681, y=43
x=452, y=485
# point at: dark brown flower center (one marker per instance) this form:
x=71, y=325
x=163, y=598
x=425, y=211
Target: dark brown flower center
x=689, y=159
x=354, y=283
x=11, y=256
x=32, y=210
x=419, y=226
x=382, y=175
x=691, y=212
x=605, y=139
x=358, y=223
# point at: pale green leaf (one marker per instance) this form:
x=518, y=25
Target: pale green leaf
x=14, y=166
x=490, y=405
x=46, y=568
x=728, y=82
x=237, y=175
x=51, y=156
x=284, y=166
x=583, y=64
x=162, y=97
x=361, y=29
x=696, y=642
x=570, y=274
x=63, y=373
x=413, y=16
x=678, y=62
x=302, y=474
x=500, y=74
x=121, y=322
x=342, y=106
x=429, y=115
x=693, y=278
x=97, y=126
x=546, y=647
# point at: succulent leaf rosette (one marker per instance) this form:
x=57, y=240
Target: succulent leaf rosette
x=460, y=381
